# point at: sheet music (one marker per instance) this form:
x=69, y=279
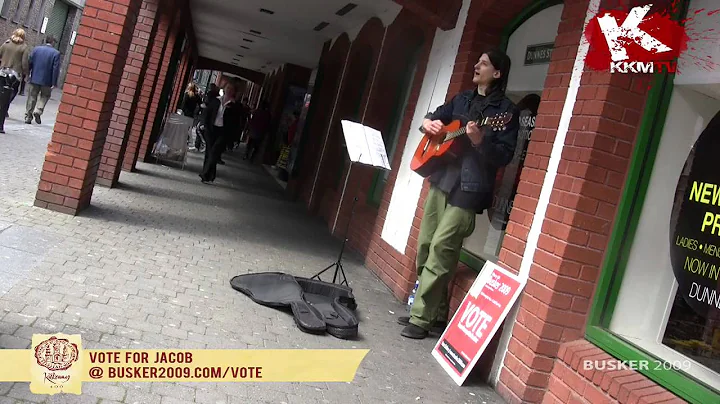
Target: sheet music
x=365, y=145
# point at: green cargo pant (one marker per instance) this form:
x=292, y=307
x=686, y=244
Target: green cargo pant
x=443, y=229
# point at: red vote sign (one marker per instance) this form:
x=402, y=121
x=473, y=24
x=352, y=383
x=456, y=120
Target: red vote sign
x=476, y=321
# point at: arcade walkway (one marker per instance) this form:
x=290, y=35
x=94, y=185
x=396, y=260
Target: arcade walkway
x=147, y=265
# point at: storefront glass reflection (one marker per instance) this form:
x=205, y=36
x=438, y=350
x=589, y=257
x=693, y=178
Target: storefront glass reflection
x=693, y=327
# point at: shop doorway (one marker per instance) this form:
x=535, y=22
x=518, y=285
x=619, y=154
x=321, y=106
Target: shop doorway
x=529, y=45
x=56, y=21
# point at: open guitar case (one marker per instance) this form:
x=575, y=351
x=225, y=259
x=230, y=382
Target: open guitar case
x=317, y=307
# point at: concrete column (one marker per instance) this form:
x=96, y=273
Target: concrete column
x=86, y=108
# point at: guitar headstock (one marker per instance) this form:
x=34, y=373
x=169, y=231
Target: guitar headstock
x=498, y=122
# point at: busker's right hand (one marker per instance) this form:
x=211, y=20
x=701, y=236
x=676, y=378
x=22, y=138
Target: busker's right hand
x=432, y=128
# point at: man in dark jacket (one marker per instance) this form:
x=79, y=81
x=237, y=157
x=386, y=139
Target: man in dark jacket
x=461, y=188
x=44, y=71
x=226, y=122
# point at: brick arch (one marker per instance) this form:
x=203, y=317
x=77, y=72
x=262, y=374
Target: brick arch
x=329, y=74
x=407, y=38
x=484, y=28
x=358, y=75
x=354, y=91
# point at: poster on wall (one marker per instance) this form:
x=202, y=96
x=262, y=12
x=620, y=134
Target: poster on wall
x=477, y=320
x=695, y=224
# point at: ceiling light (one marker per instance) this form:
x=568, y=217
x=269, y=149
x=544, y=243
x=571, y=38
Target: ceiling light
x=248, y=40
x=321, y=26
x=255, y=32
x=244, y=47
x=348, y=7
x=266, y=11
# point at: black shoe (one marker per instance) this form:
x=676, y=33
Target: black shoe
x=37, y=118
x=28, y=121
x=441, y=325
x=414, y=332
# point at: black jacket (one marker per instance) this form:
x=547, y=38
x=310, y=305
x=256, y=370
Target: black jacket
x=233, y=117
x=479, y=165
x=212, y=106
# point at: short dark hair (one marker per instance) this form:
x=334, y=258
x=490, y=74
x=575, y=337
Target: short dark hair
x=50, y=39
x=500, y=61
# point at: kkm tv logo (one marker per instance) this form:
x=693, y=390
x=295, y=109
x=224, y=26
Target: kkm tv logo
x=642, y=40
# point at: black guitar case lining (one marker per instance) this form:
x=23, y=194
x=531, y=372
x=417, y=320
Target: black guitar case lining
x=317, y=306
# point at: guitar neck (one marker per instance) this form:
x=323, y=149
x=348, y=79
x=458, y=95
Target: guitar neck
x=462, y=131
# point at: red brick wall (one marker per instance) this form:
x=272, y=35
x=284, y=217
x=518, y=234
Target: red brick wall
x=137, y=131
x=442, y=14
x=405, y=35
x=555, y=303
x=128, y=95
x=332, y=64
x=178, y=89
x=352, y=97
x=162, y=76
x=571, y=383
x=91, y=86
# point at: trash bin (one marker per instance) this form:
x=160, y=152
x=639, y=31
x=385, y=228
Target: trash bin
x=8, y=81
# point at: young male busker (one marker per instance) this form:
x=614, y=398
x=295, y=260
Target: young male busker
x=460, y=188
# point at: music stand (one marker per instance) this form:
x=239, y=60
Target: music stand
x=365, y=145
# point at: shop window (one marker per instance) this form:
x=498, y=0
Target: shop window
x=528, y=40
x=658, y=299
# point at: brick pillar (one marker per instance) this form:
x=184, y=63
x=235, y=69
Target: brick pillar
x=575, y=231
x=91, y=87
x=178, y=88
x=159, y=84
x=159, y=41
x=126, y=105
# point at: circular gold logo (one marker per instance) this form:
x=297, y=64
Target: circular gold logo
x=56, y=354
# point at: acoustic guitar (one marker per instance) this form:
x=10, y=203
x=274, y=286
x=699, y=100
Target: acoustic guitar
x=435, y=151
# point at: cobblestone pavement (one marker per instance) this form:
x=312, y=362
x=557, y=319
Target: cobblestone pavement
x=149, y=264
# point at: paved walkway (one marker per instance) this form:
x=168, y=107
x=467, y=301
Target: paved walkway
x=149, y=264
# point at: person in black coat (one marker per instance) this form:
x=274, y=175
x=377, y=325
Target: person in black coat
x=222, y=121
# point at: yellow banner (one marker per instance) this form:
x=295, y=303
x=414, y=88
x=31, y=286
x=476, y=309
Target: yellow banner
x=58, y=364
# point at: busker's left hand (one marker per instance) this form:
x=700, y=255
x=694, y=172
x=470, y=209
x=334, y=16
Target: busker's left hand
x=475, y=134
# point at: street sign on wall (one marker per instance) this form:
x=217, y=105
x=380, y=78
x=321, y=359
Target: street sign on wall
x=538, y=54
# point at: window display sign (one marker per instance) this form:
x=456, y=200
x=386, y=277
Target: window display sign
x=476, y=321
x=695, y=225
